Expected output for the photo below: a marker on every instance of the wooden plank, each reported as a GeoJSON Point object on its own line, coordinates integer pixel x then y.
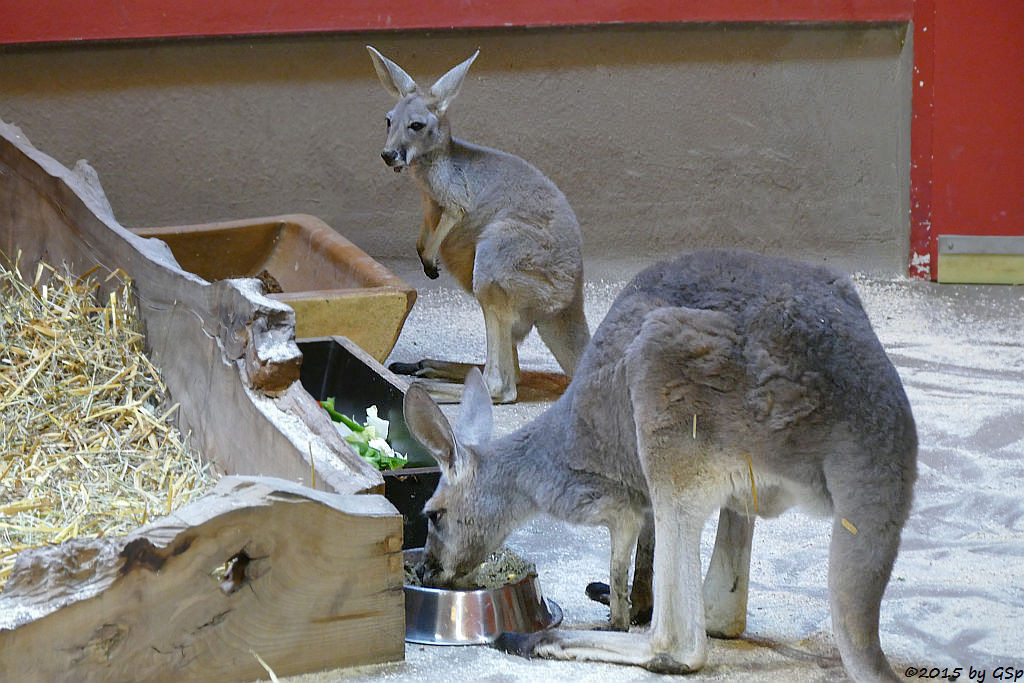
{"type": "Point", "coordinates": [227, 353]}
{"type": "Point", "coordinates": [992, 269]}
{"type": "Point", "coordinates": [307, 580]}
{"type": "Point", "coordinates": [57, 20]}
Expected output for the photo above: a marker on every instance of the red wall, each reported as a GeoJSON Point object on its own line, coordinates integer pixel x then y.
{"type": "Point", "coordinates": [31, 21]}
{"type": "Point", "coordinates": [968, 130]}
{"type": "Point", "coordinates": [967, 174]}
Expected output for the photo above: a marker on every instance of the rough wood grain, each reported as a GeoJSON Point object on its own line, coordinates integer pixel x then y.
{"type": "Point", "coordinates": [316, 582]}
{"type": "Point", "coordinates": [227, 353]}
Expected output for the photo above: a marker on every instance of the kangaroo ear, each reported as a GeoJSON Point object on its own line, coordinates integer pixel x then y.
{"type": "Point", "coordinates": [392, 77]}
{"type": "Point", "coordinates": [476, 421]}
{"type": "Point", "coordinates": [429, 426]}
{"type": "Point", "coordinates": [447, 87]}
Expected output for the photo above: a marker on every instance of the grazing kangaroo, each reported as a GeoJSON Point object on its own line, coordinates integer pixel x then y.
{"type": "Point", "coordinates": [718, 380]}
{"type": "Point", "coordinates": [503, 230]}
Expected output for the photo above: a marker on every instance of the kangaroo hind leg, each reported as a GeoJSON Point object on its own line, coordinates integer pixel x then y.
{"type": "Point", "coordinates": [501, 371]}
{"type": "Point", "coordinates": [566, 334]}
{"type": "Point", "coordinates": [681, 362]}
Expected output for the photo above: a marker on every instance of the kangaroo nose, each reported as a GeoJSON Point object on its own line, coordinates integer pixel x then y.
{"type": "Point", "coordinates": [389, 156]}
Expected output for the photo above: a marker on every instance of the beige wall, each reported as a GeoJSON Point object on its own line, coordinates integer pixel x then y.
{"type": "Point", "coordinates": [783, 139]}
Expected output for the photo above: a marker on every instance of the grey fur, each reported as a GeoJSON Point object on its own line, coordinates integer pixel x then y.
{"type": "Point", "coordinates": [781, 367]}
{"type": "Point", "coordinates": [503, 230]}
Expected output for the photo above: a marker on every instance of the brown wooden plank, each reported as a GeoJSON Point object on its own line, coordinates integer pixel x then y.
{"type": "Point", "coordinates": [317, 584]}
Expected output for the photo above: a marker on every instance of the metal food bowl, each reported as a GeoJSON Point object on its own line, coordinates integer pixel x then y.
{"type": "Point", "coordinates": [436, 616]}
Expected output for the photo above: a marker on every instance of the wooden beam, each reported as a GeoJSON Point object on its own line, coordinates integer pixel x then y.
{"type": "Point", "coordinates": [306, 580]}
{"type": "Point", "coordinates": [226, 352]}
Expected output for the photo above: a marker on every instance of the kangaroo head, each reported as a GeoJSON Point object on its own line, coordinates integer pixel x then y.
{"type": "Point", "coordinates": [468, 515]}
{"type": "Point", "coordinates": [417, 127]}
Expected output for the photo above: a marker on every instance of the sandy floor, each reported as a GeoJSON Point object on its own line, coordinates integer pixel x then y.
{"type": "Point", "coordinates": [956, 598]}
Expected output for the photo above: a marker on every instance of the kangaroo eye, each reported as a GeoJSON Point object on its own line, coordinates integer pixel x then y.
{"type": "Point", "coordinates": [416, 125]}
{"type": "Point", "coordinates": [434, 516]}
{"type": "Point", "coordinates": [387, 121]}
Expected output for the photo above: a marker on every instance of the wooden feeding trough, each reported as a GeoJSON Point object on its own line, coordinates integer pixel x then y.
{"type": "Point", "coordinates": [334, 286]}
{"type": "Point", "coordinates": [295, 566]}
{"type": "Point", "coordinates": [334, 367]}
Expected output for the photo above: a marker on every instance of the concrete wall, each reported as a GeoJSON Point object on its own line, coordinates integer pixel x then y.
{"type": "Point", "coordinates": [784, 139]}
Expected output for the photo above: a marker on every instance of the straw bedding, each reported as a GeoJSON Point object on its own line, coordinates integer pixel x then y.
{"type": "Point", "coordinates": [87, 444]}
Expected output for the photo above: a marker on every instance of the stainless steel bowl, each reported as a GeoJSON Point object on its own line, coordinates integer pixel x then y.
{"type": "Point", "coordinates": [434, 616]}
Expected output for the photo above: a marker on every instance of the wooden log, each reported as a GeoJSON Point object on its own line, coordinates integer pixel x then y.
{"type": "Point", "coordinates": [227, 353]}
{"type": "Point", "coordinates": [304, 579]}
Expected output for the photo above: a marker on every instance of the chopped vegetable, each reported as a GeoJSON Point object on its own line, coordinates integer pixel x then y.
{"type": "Point", "coordinates": [328, 405]}
{"type": "Point", "coordinates": [368, 439]}
{"type": "Point", "coordinates": [502, 568]}
{"type": "Point", "coordinates": [377, 423]}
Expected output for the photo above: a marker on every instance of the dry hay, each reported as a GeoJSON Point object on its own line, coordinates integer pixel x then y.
{"type": "Point", "coordinates": [87, 447]}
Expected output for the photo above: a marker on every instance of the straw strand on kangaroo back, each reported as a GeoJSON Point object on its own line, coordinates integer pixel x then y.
{"type": "Point", "coordinates": [504, 231]}
{"type": "Point", "coordinates": [789, 385]}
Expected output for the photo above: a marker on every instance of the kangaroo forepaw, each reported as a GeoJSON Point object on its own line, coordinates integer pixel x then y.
{"type": "Point", "coordinates": [599, 592]}
{"type": "Point", "coordinates": [406, 368]}
{"type": "Point", "coordinates": [519, 644]}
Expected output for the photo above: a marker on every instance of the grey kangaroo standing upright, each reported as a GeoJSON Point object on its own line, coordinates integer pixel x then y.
{"type": "Point", "coordinates": [720, 380]}
{"type": "Point", "coordinates": [503, 230]}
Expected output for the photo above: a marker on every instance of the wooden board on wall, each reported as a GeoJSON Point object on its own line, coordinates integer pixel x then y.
{"type": "Point", "coordinates": [973, 259]}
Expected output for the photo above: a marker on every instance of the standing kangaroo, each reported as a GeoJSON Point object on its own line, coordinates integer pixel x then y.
{"type": "Point", "coordinates": [504, 231]}
{"type": "Point", "coordinates": [718, 380]}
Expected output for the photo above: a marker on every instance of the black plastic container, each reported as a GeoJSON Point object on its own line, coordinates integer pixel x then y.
{"type": "Point", "coordinates": [334, 366]}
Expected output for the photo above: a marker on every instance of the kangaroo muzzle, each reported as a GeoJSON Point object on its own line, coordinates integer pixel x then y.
{"type": "Point", "coordinates": [431, 574]}
{"type": "Point", "coordinates": [394, 159]}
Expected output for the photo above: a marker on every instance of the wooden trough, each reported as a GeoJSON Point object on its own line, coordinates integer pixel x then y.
{"type": "Point", "coordinates": [264, 571]}
{"type": "Point", "coordinates": [330, 283]}
{"type": "Point", "coordinates": [330, 367]}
